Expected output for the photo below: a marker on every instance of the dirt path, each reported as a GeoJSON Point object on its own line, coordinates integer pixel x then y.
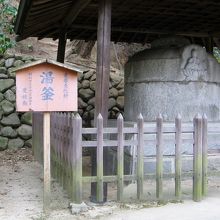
{"type": "Point", "coordinates": [21, 198]}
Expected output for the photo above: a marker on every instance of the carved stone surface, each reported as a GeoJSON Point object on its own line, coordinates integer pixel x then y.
{"type": "Point", "coordinates": [171, 80]}
{"type": "Point", "coordinates": [194, 63]}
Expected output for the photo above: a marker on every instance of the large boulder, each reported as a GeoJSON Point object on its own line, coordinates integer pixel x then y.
{"type": "Point", "coordinates": [6, 84]}
{"type": "Point", "coordinates": [3, 143]}
{"type": "Point", "coordinates": [15, 143]}
{"type": "Point", "coordinates": [25, 131]}
{"type": "Point", "coordinates": [26, 118]}
{"type": "Point", "coordinates": [11, 120]}
{"type": "Point", "coordinates": [7, 107]}
{"type": "Point", "coordinates": [8, 132]}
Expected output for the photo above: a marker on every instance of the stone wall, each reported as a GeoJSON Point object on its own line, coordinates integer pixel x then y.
{"type": "Point", "coordinates": [86, 100]}
{"type": "Point", "coordinates": [16, 129]}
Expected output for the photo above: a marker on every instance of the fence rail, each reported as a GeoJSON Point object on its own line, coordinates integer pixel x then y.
{"type": "Point", "coordinates": [67, 145]}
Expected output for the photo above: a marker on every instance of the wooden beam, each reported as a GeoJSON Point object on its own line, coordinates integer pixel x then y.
{"type": "Point", "coordinates": [147, 31]}
{"type": "Point", "coordinates": [61, 47]}
{"type": "Point", "coordinates": [103, 59]}
{"type": "Point", "coordinates": [74, 11]}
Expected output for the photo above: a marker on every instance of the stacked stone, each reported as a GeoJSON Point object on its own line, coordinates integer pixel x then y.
{"type": "Point", "coordinates": [15, 128]}
{"type": "Point", "coordinates": [86, 93]}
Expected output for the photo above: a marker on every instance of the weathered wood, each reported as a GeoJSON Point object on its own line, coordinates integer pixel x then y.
{"type": "Point", "coordinates": [103, 59]}
{"type": "Point", "coordinates": [77, 159]}
{"type": "Point", "coordinates": [197, 159]}
{"type": "Point", "coordinates": [74, 11]}
{"type": "Point", "coordinates": [178, 147]}
{"type": "Point", "coordinates": [47, 178]}
{"type": "Point", "coordinates": [103, 72]}
{"type": "Point", "coordinates": [89, 179]}
{"type": "Point", "coordinates": [61, 47]}
{"type": "Point", "coordinates": [120, 158]}
{"type": "Point", "coordinates": [99, 158]}
{"type": "Point", "coordinates": [159, 158]}
{"type": "Point", "coordinates": [204, 155]}
{"type": "Point", "coordinates": [140, 156]}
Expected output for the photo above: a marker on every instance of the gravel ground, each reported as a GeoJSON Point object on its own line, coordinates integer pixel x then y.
{"type": "Point", "coordinates": [21, 196]}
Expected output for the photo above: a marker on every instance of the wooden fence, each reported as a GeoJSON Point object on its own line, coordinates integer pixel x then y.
{"type": "Point", "coordinates": [67, 145]}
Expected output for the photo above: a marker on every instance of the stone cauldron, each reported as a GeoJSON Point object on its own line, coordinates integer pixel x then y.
{"type": "Point", "coordinates": [170, 78]}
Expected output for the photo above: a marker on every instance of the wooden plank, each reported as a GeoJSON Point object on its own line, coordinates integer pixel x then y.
{"type": "Point", "coordinates": [77, 159]}
{"type": "Point", "coordinates": [47, 178]}
{"type": "Point", "coordinates": [204, 155]}
{"type": "Point", "coordinates": [74, 11]}
{"type": "Point", "coordinates": [159, 158]}
{"type": "Point", "coordinates": [178, 147]}
{"type": "Point", "coordinates": [140, 160]}
{"type": "Point", "coordinates": [99, 158]}
{"type": "Point", "coordinates": [197, 159]}
{"type": "Point", "coordinates": [120, 158]}
{"type": "Point", "coordinates": [58, 147]}
{"type": "Point", "coordinates": [148, 129]}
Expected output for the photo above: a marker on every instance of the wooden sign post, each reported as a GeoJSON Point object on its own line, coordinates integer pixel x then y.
{"type": "Point", "coordinates": [46, 86]}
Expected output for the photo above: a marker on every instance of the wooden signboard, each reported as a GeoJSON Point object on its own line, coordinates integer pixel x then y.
{"type": "Point", "coordinates": [46, 86]}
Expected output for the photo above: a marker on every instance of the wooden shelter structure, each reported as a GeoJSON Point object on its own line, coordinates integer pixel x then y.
{"type": "Point", "coordinates": [128, 21]}
{"type": "Point", "coordinates": [139, 21]}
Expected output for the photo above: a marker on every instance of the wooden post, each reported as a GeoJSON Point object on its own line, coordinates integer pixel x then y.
{"type": "Point", "coordinates": [46, 135]}
{"type": "Point", "coordinates": [120, 158]}
{"type": "Point", "coordinates": [99, 158]}
{"type": "Point", "coordinates": [197, 159]}
{"type": "Point", "coordinates": [102, 80]}
{"type": "Point", "coordinates": [159, 158]}
{"type": "Point", "coordinates": [178, 146]}
{"type": "Point", "coordinates": [204, 155]}
{"type": "Point", "coordinates": [77, 159]}
{"type": "Point", "coordinates": [103, 59]}
{"type": "Point", "coordinates": [61, 47]}
{"type": "Point", "coordinates": [140, 159]}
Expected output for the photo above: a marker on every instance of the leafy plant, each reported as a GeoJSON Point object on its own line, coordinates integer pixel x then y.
{"type": "Point", "coordinates": [217, 53]}
{"type": "Point", "coordinates": [7, 18]}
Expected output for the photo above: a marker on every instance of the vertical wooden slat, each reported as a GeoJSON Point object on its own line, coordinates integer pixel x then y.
{"type": "Point", "coordinates": [120, 157]}
{"type": "Point", "coordinates": [159, 157]}
{"type": "Point", "coordinates": [99, 158]}
{"type": "Point", "coordinates": [62, 150]}
{"type": "Point", "coordinates": [69, 134]}
{"type": "Point", "coordinates": [197, 159]}
{"type": "Point", "coordinates": [204, 155]}
{"type": "Point", "coordinates": [47, 177]}
{"type": "Point", "coordinates": [65, 137]}
{"type": "Point", "coordinates": [140, 157]}
{"type": "Point", "coordinates": [33, 135]}
{"type": "Point", "coordinates": [59, 147]}
{"type": "Point", "coordinates": [77, 161]}
{"type": "Point", "coordinates": [178, 146]}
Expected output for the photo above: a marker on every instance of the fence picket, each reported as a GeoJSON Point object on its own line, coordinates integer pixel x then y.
{"type": "Point", "coordinates": [120, 157]}
{"type": "Point", "coordinates": [204, 155]}
{"type": "Point", "coordinates": [159, 158]}
{"type": "Point", "coordinates": [140, 157]}
{"type": "Point", "coordinates": [77, 159]}
{"type": "Point", "coordinates": [178, 139]}
{"type": "Point", "coordinates": [197, 159]}
{"type": "Point", "coordinates": [99, 158]}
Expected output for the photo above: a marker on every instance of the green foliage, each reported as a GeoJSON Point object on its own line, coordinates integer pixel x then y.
{"type": "Point", "coordinates": [217, 53]}
{"type": "Point", "coordinates": [7, 18]}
